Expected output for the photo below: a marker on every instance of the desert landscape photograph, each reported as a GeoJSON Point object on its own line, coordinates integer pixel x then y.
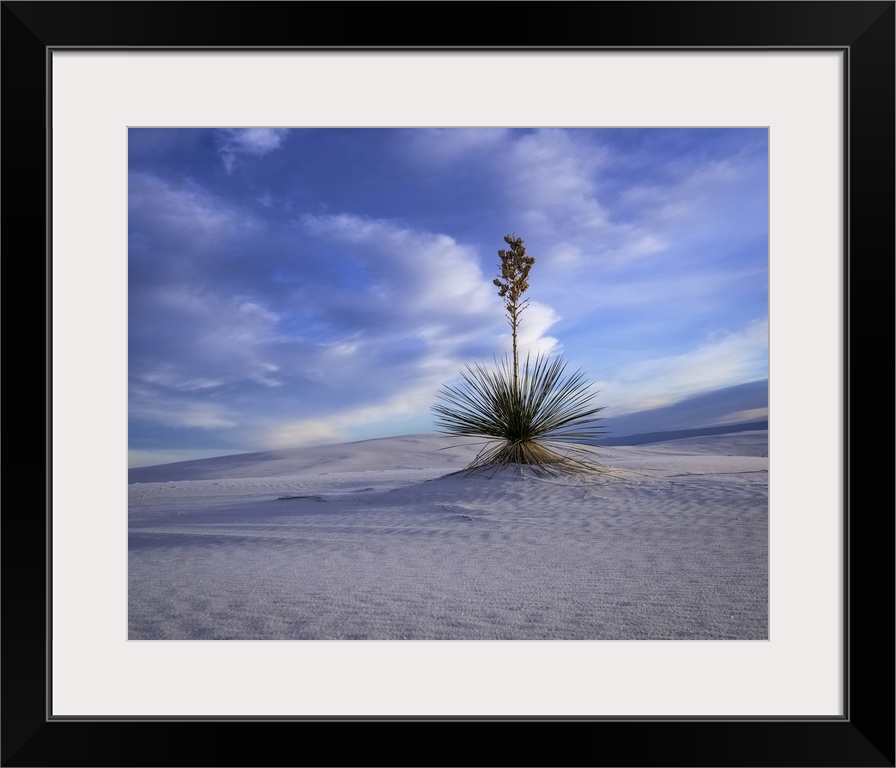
{"type": "Point", "coordinates": [448, 384]}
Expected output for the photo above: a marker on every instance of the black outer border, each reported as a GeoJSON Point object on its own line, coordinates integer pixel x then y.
{"type": "Point", "coordinates": [864, 30]}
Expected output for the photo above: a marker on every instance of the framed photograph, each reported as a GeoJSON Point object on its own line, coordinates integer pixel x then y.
{"type": "Point", "coordinates": [814, 78]}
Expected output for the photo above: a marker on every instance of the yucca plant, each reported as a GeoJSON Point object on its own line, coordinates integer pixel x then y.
{"type": "Point", "coordinates": [538, 416]}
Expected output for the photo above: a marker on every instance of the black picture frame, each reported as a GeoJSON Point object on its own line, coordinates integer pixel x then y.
{"type": "Point", "coordinates": [863, 31]}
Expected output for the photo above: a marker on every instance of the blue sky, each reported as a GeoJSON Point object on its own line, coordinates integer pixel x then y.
{"type": "Point", "coordinates": [303, 286]}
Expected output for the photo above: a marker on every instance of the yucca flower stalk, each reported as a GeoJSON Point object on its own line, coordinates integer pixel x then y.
{"type": "Point", "coordinates": [514, 281]}
{"type": "Point", "coordinates": [538, 416]}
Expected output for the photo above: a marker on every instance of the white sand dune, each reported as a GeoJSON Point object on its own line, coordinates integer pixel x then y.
{"type": "Point", "coordinates": [386, 540]}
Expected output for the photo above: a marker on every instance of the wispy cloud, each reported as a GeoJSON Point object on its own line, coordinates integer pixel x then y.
{"type": "Point", "coordinates": [155, 404]}
{"type": "Point", "coordinates": [203, 337]}
{"type": "Point", "coordinates": [722, 360]}
{"type": "Point", "coordinates": [234, 142]}
{"type": "Point", "coordinates": [422, 307]}
{"type": "Point", "coordinates": [440, 145]}
{"type": "Point", "coordinates": [180, 209]}
{"type": "Point", "coordinates": [426, 284]}
{"type": "Point", "coordinates": [344, 424]}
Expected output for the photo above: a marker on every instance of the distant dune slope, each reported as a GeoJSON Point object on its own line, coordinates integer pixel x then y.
{"type": "Point", "coordinates": [392, 453]}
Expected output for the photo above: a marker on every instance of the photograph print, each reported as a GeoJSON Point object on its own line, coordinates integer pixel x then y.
{"type": "Point", "coordinates": [448, 384]}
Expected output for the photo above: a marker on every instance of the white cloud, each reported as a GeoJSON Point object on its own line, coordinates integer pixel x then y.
{"type": "Point", "coordinates": [425, 278]}
{"type": "Point", "coordinates": [163, 407]}
{"type": "Point", "coordinates": [439, 145]}
{"type": "Point", "coordinates": [341, 425]}
{"type": "Point", "coordinates": [209, 340]}
{"type": "Point", "coordinates": [536, 319]}
{"type": "Point", "coordinates": [258, 141]}
{"type": "Point", "coordinates": [182, 211]}
{"type": "Point", "coordinates": [723, 197]}
{"type": "Point", "coordinates": [554, 181]}
{"type": "Point", "coordinates": [251, 141]}
{"type": "Point", "coordinates": [551, 183]}
{"type": "Point", "coordinates": [425, 293]}
{"type": "Point", "coordinates": [430, 288]}
{"type": "Point", "coordinates": [676, 291]}
{"type": "Point", "coordinates": [723, 360]}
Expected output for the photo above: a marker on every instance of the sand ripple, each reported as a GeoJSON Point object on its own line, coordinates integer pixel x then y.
{"type": "Point", "coordinates": [668, 544]}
